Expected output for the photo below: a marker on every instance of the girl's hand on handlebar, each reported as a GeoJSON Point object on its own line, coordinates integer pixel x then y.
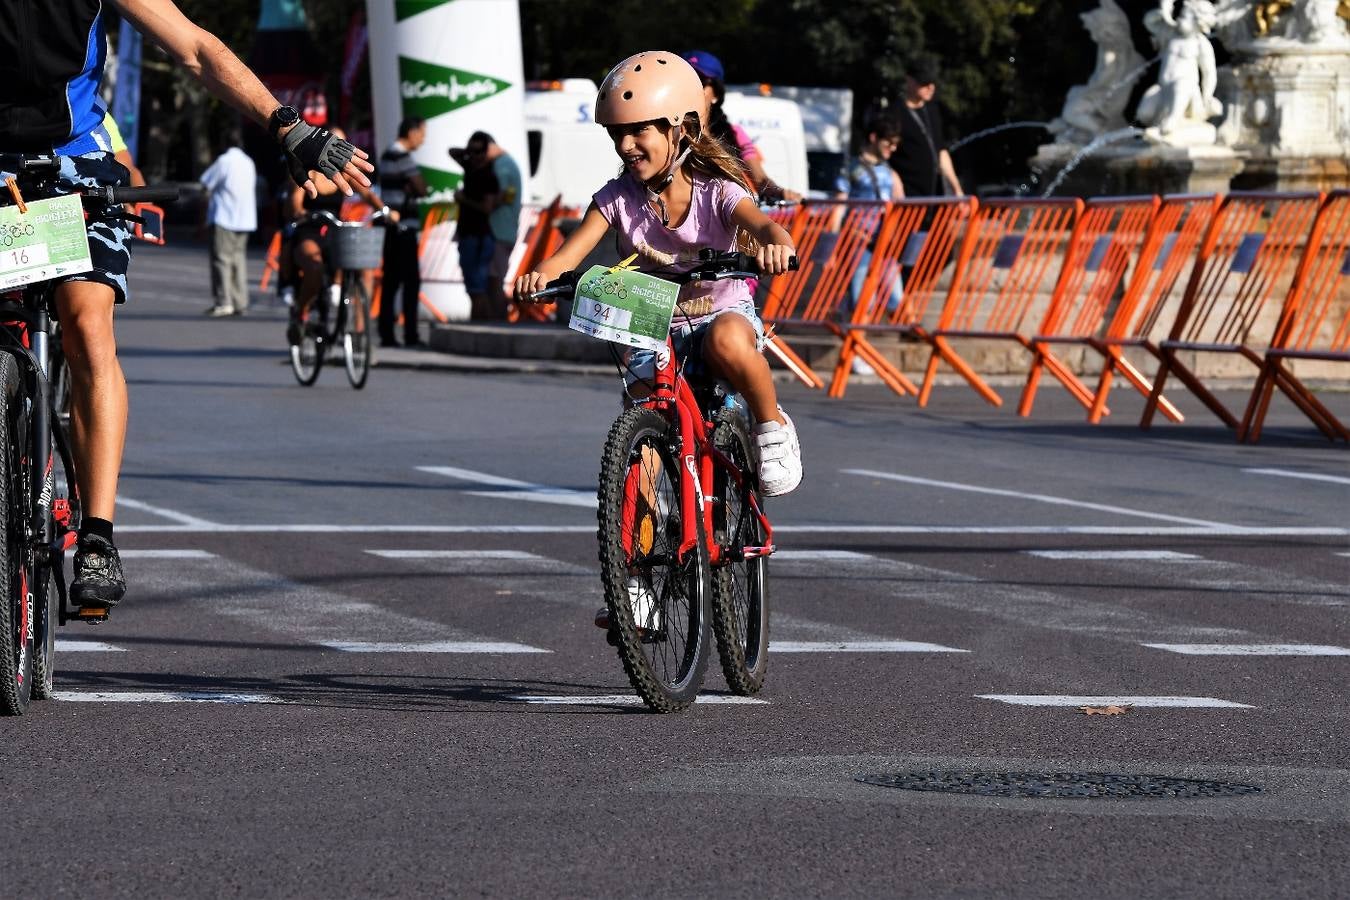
{"type": "Point", "coordinates": [775, 259]}
{"type": "Point", "coordinates": [528, 285]}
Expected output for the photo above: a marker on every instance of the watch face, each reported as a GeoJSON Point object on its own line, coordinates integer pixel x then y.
{"type": "Point", "coordinates": [284, 116]}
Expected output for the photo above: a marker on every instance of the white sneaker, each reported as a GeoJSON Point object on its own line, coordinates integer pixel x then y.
{"type": "Point", "coordinates": [780, 456]}
{"type": "Point", "coordinates": [860, 366]}
{"type": "Point", "coordinates": [642, 601]}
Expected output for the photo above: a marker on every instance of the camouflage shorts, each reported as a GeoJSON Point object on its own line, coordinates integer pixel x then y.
{"type": "Point", "coordinates": [107, 239]}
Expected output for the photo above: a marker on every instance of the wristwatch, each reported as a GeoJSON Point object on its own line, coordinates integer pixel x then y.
{"type": "Point", "coordinates": [282, 117]}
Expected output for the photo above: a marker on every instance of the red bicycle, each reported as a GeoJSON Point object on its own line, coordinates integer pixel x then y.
{"type": "Point", "coordinates": [683, 534]}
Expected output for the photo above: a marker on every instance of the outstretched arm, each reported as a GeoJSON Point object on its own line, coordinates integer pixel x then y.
{"type": "Point", "coordinates": [775, 244]}
{"type": "Point", "coordinates": [221, 72]}
{"type": "Point", "coordinates": [574, 250]}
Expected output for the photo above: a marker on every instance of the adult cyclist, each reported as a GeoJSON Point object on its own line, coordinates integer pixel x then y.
{"type": "Point", "coordinates": [51, 62]}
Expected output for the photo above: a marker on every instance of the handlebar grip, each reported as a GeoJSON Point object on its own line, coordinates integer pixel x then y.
{"type": "Point", "coordinates": [146, 194]}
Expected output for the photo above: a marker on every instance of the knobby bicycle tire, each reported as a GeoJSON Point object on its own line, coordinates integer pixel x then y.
{"type": "Point", "coordinates": [666, 652]}
{"type": "Point", "coordinates": [46, 618]}
{"type": "Point", "coordinates": [16, 610]}
{"type": "Point", "coordinates": [356, 345]}
{"type": "Point", "coordinates": [740, 586]}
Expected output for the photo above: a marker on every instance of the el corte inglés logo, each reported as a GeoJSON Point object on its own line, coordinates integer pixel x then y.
{"type": "Point", "coordinates": [430, 90]}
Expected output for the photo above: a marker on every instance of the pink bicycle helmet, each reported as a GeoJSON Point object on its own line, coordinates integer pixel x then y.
{"type": "Point", "coordinates": [650, 85]}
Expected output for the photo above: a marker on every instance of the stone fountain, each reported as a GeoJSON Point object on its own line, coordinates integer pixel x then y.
{"type": "Point", "coordinates": [1277, 117]}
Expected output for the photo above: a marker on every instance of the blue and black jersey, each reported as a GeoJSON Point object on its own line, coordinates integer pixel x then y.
{"type": "Point", "coordinates": [51, 62]}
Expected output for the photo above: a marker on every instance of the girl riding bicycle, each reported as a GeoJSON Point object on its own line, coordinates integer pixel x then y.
{"type": "Point", "coordinates": [680, 191]}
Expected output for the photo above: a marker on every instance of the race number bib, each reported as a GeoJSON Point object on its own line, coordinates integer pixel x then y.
{"type": "Point", "coordinates": [46, 242]}
{"type": "Point", "coordinates": [625, 307]}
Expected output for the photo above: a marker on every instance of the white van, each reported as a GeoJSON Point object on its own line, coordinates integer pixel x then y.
{"type": "Point", "coordinates": [572, 156]}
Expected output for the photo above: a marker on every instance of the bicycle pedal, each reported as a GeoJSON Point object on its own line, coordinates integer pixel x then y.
{"type": "Point", "coordinates": [92, 614]}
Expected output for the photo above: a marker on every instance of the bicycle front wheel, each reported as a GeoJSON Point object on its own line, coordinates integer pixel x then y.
{"type": "Point", "coordinates": [356, 331]}
{"type": "Point", "coordinates": [740, 586]}
{"type": "Point", "coordinates": [657, 597]}
{"type": "Point", "coordinates": [307, 354]}
{"type": "Point", "coordinates": [16, 608]}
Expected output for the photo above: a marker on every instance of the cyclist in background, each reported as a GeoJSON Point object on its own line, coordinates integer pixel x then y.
{"type": "Point", "coordinates": [54, 52]}
{"type": "Point", "coordinates": [303, 242]}
{"type": "Point", "coordinates": [683, 191]}
{"type": "Point", "coordinates": [711, 73]}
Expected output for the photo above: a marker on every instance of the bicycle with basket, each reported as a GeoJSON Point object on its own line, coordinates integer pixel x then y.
{"type": "Point", "coordinates": [43, 237]}
{"type": "Point", "coordinates": [340, 314]}
{"type": "Point", "coordinates": [684, 541]}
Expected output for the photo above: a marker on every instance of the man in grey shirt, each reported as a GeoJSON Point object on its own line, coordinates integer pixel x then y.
{"type": "Point", "coordinates": [401, 186]}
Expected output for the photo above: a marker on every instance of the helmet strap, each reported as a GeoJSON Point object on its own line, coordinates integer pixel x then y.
{"type": "Point", "coordinates": [663, 181]}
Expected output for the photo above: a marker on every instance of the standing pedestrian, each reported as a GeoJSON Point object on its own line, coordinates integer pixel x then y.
{"type": "Point", "coordinates": [922, 159]}
{"type": "Point", "coordinates": [477, 198]}
{"type": "Point", "coordinates": [868, 177]}
{"type": "Point", "coordinates": [401, 186]}
{"type": "Point", "coordinates": [504, 220]}
{"type": "Point", "coordinates": [232, 215]}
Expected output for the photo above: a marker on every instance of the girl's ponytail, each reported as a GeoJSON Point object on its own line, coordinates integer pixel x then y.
{"type": "Point", "coordinates": [711, 157]}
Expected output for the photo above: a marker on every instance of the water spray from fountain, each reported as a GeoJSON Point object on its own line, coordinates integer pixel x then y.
{"type": "Point", "coordinates": [1007, 126]}
{"type": "Point", "coordinates": [1097, 143]}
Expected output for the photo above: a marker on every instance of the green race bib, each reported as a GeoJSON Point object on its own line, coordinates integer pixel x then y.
{"type": "Point", "coordinates": [624, 306]}
{"type": "Point", "coordinates": [44, 243]}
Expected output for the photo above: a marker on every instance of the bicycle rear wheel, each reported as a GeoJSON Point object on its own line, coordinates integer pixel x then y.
{"type": "Point", "coordinates": [356, 333]}
{"type": "Point", "coordinates": [740, 586]}
{"type": "Point", "coordinates": [16, 601]}
{"type": "Point", "coordinates": [45, 621]}
{"type": "Point", "coordinates": [657, 601]}
{"type": "Point", "coordinates": [307, 355]}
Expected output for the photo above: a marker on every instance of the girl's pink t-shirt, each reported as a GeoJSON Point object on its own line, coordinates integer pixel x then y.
{"type": "Point", "coordinates": [623, 203]}
{"type": "Point", "coordinates": [744, 145]}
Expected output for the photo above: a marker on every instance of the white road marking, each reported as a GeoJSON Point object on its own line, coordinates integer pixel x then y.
{"type": "Point", "coordinates": [1343, 554]}
{"type": "Point", "coordinates": [166, 554]}
{"type": "Point", "coordinates": [1069, 700]}
{"type": "Point", "coordinates": [859, 647]}
{"type": "Point", "coordinates": [432, 647]}
{"type": "Point", "coordinates": [163, 697]}
{"type": "Point", "coordinates": [831, 528]}
{"type": "Point", "coordinates": [623, 699]}
{"type": "Point", "coordinates": [824, 555]}
{"type": "Point", "coordinates": [518, 490]}
{"type": "Point", "coordinates": [1039, 498]}
{"type": "Point", "coordinates": [1156, 555]}
{"type": "Point", "coordinates": [73, 646]}
{"type": "Point", "coordinates": [1309, 476]}
{"type": "Point", "coordinates": [181, 518]}
{"type": "Point", "coordinates": [455, 554]}
{"type": "Point", "coordinates": [1253, 649]}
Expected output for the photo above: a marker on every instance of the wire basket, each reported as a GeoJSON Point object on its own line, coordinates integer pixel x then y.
{"type": "Point", "coordinates": [356, 247]}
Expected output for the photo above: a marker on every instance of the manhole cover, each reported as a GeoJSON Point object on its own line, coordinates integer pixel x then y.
{"type": "Point", "coordinates": [1085, 785]}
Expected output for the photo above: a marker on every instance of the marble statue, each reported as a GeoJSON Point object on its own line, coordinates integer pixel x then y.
{"type": "Point", "coordinates": [1318, 22]}
{"type": "Point", "coordinates": [1097, 107]}
{"type": "Point", "coordinates": [1178, 108]}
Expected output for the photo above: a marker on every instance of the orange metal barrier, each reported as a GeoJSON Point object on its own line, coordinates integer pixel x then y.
{"type": "Point", "coordinates": [542, 240]}
{"type": "Point", "coordinates": [1105, 242]}
{"type": "Point", "coordinates": [830, 237]}
{"type": "Point", "coordinates": [1005, 277]}
{"type": "Point", "coordinates": [1245, 265]}
{"type": "Point", "coordinates": [1315, 323]}
{"type": "Point", "coordinates": [272, 264]}
{"type": "Point", "coordinates": [917, 242]}
{"type": "Point", "coordinates": [1151, 295]}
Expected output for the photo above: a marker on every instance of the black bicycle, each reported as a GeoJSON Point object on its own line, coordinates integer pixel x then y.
{"type": "Point", "coordinates": [340, 315]}
{"type": "Point", "coordinates": [39, 497]}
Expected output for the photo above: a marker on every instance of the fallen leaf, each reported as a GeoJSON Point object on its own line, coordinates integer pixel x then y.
{"type": "Point", "coordinates": [1104, 710]}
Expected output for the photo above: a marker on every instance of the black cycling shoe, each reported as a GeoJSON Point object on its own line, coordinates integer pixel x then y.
{"type": "Point", "coordinates": [99, 583]}
{"type": "Point", "coordinates": [293, 333]}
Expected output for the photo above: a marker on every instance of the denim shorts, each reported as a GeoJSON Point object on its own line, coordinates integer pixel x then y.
{"type": "Point", "coordinates": [475, 261]}
{"type": "Point", "coordinates": [687, 337]}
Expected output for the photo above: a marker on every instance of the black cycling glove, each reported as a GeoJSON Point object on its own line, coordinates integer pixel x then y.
{"type": "Point", "coordinates": [315, 149]}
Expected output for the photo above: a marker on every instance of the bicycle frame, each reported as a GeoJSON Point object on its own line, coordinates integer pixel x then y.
{"type": "Point", "coordinates": [50, 526]}
{"type": "Point", "coordinates": [673, 398]}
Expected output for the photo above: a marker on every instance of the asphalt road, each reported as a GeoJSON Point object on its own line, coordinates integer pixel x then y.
{"type": "Point", "coordinates": [356, 658]}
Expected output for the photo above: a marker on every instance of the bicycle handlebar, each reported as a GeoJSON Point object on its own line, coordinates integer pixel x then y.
{"type": "Point", "coordinates": [713, 266]}
{"type": "Point", "coordinates": [115, 196]}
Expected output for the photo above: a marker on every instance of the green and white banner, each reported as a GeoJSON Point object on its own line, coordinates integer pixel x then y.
{"type": "Point", "coordinates": [457, 64]}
